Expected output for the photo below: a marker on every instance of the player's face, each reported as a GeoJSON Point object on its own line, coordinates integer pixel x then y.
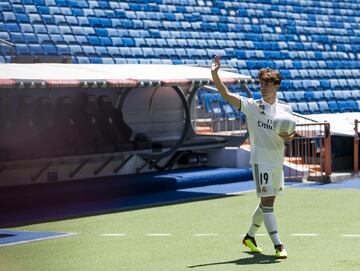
{"type": "Point", "coordinates": [267, 89]}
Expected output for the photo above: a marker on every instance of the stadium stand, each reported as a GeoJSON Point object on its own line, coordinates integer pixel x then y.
{"type": "Point", "coordinates": [317, 51]}
{"type": "Point", "coordinates": [315, 46]}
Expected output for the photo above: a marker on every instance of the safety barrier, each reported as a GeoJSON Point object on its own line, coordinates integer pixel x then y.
{"type": "Point", "coordinates": [308, 156]}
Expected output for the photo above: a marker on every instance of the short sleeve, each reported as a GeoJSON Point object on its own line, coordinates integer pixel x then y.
{"type": "Point", "coordinates": [247, 105]}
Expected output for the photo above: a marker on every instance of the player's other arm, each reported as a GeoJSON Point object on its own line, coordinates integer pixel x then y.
{"type": "Point", "coordinates": [232, 99]}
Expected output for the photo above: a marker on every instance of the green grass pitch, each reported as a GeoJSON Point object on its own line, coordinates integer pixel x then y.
{"type": "Point", "coordinates": [201, 235]}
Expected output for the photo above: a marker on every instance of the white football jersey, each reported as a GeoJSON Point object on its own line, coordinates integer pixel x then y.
{"type": "Point", "coordinates": [267, 147]}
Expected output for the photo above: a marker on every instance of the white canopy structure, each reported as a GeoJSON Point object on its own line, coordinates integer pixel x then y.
{"type": "Point", "coordinates": [112, 74]}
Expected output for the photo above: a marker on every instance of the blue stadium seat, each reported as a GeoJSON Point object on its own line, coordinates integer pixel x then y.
{"type": "Point", "coordinates": [9, 17]}
{"type": "Point", "coordinates": [309, 95]}
{"type": "Point", "coordinates": [289, 96]}
{"type": "Point", "coordinates": [323, 106]}
{"type": "Point", "coordinates": [328, 94]}
{"type": "Point", "coordinates": [30, 38]}
{"type": "Point", "coordinates": [352, 106]}
{"type": "Point", "coordinates": [70, 39]}
{"type": "Point", "coordinates": [83, 21]}
{"type": "Point", "coordinates": [5, 36]}
{"type": "Point", "coordinates": [95, 60]}
{"type": "Point", "coordinates": [303, 108]}
{"type": "Point", "coordinates": [108, 60]}
{"type": "Point", "coordinates": [128, 42]}
{"type": "Point", "coordinates": [22, 18]}
{"type": "Point", "coordinates": [35, 49]}
{"type": "Point", "coordinates": [22, 49]}
{"type": "Point", "coordinates": [280, 95]}
{"type": "Point", "coordinates": [358, 105]}
{"type": "Point", "coordinates": [94, 40]}
{"type": "Point", "coordinates": [299, 95]}
{"type": "Point", "coordinates": [347, 94]}
{"type": "Point", "coordinates": [49, 49]}
{"type": "Point", "coordinates": [18, 37]}
{"type": "Point", "coordinates": [314, 108]}
{"type": "Point", "coordinates": [318, 95]}
{"type": "Point", "coordinates": [338, 95]}
{"type": "Point", "coordinates": [12, 27]}
{"type": "Point", "coordinates": [148, 52]}
{"type": "Point", "coordinates": [63, 49]}
{"type": "Point", "coordinates": [355, 94]}
{"type": "Point", "coordinates": [344, 106]}
{"type": "Point", "coordinates": [82, 60]}
{"type": "Point", "coordinates": [294, 106]}
{"type": "Point", "coordinates": [105, 41]}
{"type": "Point", "coordinates": [334, 107]}
{"type": "Point", "coordinates": [101, 51]}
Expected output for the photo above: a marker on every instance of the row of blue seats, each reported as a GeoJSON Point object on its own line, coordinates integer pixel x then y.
{"type": "Point", "coordinates": [338, 95]}
{"type": "Point", "coordinates": [54, 7]}
{"type": "Point", "coordinates": [214, 104]}
{"type": "Point", "coordinates": [230, 48]}
{"type": "Point", "coordinates": [321, 107]}
{"type": "Point", "coordinates": [186, 6]}
{"type": "Point", "coordinates": [149, 28]}
{"type": "Point", "coordinates": [217, 107]}
{"type": "Point", "coordinates": [309, 74]}
{"type": "Point", "coordinates": [322, 84]}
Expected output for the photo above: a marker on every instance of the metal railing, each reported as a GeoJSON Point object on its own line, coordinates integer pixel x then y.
{"type": "Point", "coordinates": [308, 156]}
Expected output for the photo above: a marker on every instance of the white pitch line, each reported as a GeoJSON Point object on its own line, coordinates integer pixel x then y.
{"type": "Point", "coordinates": [158, 234]}
{"type": "Point", "coordinates": [304, 234]}
{"type": "Point", "coordinates": [351, 235]}
{"type": "Point", "coordinates": [205, 234]}
{"type": "Point", "coordinates": [113, 234]}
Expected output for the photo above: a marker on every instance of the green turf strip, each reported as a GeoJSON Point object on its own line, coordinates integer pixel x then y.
{"type": "Point", "coordinates": [329, 213]}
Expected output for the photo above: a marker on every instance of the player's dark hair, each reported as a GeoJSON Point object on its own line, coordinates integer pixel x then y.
{"type": "Point", "coordinates": [269, 75]}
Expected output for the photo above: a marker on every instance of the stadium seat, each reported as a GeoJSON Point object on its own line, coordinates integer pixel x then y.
{"type": "Point", "coordinates": [314, 108]}
{"type": "Point", "coordinates": [294, 106]}
{"type": "Point", "coordinates": [344, 106]}
{"type": "Point", "coordinates": [334, 107]}
{"type": "Point", "coordinates": [299, 95]}
{"type": "Point", "coordinates": [352, 106]}
{"type": "Point", "coordinates": [289, 96]}
{"type": "Point", "coordinates": [303, 108]}
{"type": "Point", "coordinates": [338, 95]}
{"type": "Point", "coordinates": [324, 107]}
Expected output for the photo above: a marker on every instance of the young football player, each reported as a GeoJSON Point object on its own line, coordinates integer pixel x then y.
{"type": "Point", "coordinates": [267, 150]}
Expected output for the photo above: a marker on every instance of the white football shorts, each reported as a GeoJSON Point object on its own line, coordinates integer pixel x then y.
{"type": "Point", "coordinates": [269, 180]}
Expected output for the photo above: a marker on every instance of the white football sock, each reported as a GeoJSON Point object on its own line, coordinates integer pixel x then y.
{"type": "Point", "coordinates": [257, 220]}
{"type": "Point", "coordinates": [271, 225]}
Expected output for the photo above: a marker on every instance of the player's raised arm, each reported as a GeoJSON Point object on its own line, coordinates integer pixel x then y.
{"type": "Point", "coordinates": [232, 99]}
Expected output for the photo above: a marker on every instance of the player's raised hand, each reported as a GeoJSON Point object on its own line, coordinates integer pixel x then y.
{"type": "Point", "coordinates": [215, 65]}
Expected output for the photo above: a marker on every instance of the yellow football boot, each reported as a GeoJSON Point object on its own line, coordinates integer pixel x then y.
{"type": "Point", "coordinates": [251, 243]}
{"type": "Point", "coordinates": [280, 252]}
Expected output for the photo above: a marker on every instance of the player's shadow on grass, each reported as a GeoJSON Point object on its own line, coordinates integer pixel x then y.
{"type": "Point", "coordinates": [255, 259]}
